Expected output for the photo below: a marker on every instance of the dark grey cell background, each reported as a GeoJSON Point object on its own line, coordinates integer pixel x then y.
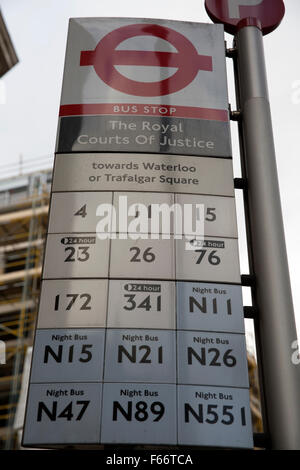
{"type": "Point", "coordinates": [30, 92]}
{"type": "Point", "coordinates": [98, 135]}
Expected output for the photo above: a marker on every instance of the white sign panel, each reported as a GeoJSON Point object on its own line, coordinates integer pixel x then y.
{"type": "Point", "coordinates": [144, 212]}
{"type": "Point", "coordinates": [76, 212]}
{"type": "Point", "coordinates": [75, 255]}
{"type": "Point", "coordinates": [219, 213]}
{"type": "Point", "coordinates": [141, 212]}
{"type": "Point", "coordinates": [73, 303]}
{"type": "Point", "coordinates": [214, 416]}
{"type": "Point", "coordinates": [84, 83]}
{"type": "Point", "coordinates": [143, 172]}
{"type": "Point", "coordinates": [209, 260]}
{"type": "Point", "coordinates": [144, 85]}
{"type": "Point", "coordinates": [142, 259]}
{"type": "Point", "coordinates": [141, 304]}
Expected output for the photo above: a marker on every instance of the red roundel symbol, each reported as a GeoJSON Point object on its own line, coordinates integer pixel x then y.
{"type": "Point", "coordinates": [187, 60]}
{"type": "Point", "coordinates": [266, 13]}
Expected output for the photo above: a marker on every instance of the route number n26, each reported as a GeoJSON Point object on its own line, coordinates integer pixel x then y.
{"type": "Point", "coordinates": [201, 356]}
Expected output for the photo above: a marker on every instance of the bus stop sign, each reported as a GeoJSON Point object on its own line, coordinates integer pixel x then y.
{"type": "Point", "coordinates": [266, 13]}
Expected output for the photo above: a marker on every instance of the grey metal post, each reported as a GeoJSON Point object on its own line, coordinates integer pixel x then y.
{"type": "Point", "coordinates": [272, 294]}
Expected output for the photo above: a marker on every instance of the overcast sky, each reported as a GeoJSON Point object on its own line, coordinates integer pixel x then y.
{"type": "Point", "coordinates": [30, 92]}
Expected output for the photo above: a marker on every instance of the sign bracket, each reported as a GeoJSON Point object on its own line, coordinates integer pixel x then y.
{"type": "Point", "coordinates": [235, 115]}
{"type": "Point", "coordinates": [250, 312]}
{"type": "Point", "coordinates": [262, 440]}
{"type": "Point", "coordinates": [231, 52]}
{"type": "Point", "coordinates": [240, 183]}
{"type": "Point", "coordinates": [248, 280]}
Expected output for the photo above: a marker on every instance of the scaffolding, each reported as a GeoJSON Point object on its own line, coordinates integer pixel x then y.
{"type": "Point", "coordinates": [23, 222]}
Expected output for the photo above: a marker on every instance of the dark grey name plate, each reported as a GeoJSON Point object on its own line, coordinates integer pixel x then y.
{"type": "Point", "coordinates": [144, 134]}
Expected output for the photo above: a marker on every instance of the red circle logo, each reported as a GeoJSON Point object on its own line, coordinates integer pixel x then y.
{"type": "Point", "coordinates": [105, 56]}
{"type": "Point", "coordinates": [268, 13]}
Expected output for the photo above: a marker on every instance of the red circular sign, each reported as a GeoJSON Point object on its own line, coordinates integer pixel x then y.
{"type": "Point", "coordinates": [267, 13]}
{"type": "Point", "coordinates": [186, 60]}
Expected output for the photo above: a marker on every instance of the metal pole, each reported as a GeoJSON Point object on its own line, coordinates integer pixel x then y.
{"type": "Point", "coordinates": [273, 297]}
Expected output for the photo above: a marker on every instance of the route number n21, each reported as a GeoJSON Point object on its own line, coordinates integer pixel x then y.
{"type": "Point", "coordinates": [146, 357]}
